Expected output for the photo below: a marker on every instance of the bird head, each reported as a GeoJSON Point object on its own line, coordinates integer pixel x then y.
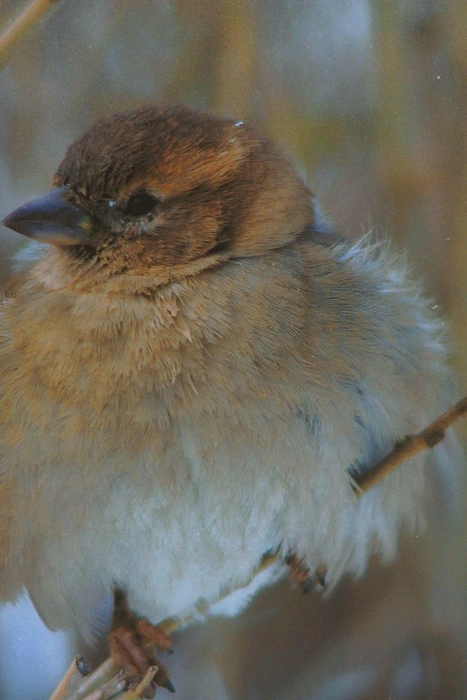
{"type": "Point", "coordinates": [163, 187]}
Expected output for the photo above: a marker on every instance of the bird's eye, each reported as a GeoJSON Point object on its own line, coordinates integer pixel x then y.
{"type": "Point", "coordinates": [140, 204]}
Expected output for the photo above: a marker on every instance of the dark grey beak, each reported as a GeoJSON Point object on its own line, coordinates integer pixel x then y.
{"type": "Point", "coordinates": [51, 219]}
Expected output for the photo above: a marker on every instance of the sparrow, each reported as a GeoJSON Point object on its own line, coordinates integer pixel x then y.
{"type": "Point", "coordinates": [194, 369]}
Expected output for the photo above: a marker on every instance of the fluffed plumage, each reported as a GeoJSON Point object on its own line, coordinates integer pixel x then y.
{"type": "Point", "coordinates": [192, 370]}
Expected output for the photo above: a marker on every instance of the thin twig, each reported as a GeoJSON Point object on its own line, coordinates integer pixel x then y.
{"type": "Point", "coordinates": [78, 669]}
{"type": "Point", "coordinates": [22, 25]}
{"type": "Point", "coordinates": [112, 689]}
{"type": "Point", "coordinates": [104, 674]}
{"type": "Point", "coordinates": [138, 692]}
{"type": "Point", "coordinates": [410, 446]}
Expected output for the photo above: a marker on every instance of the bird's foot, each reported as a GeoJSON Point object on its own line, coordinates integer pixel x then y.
{"type": "Point", "coordinates": [301, 576]}
{"type": "Point", "coordinates": [133, 642]}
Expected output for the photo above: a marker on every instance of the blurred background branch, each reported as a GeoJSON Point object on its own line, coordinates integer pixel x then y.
{"type": "Point", "coordinates": [22, 25]}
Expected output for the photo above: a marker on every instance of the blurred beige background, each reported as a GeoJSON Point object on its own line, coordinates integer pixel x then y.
{"type": "Point", "coordinates": [369, 97]}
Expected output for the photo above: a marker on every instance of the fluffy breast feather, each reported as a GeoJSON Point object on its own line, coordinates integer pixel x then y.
{"type": "Point", "coordinates": [202, 421]}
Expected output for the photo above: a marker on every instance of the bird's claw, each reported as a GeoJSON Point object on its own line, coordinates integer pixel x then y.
{"type": "Point", "coordinates": [133, 649]}
{"type": "Point", "coordinates": [302, 578]}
